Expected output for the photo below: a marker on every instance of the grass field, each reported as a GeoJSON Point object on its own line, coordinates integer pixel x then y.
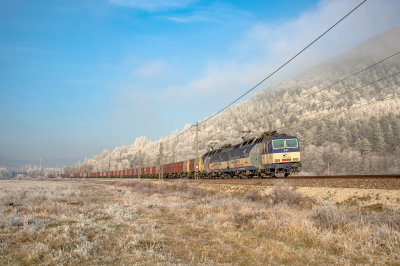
{"type": "Point", "coordinates": [68, 222]}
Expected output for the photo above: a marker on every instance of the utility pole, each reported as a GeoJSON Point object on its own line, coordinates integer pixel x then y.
{"type": "Point", "coordinates": [140, 166]}
{"type": "Point", "coordinates": [120, 162]}
{"type": "Point", "coordinates": [109, 166]}
{"type": "Point", "coordinates": [160, 174]}
{"type": "Point", "coordinates": [197, 152]}
{"type": "Point", "coordinates": [328, 168]}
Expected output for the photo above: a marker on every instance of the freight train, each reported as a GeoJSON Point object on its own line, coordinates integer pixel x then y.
{"type": "Point", "coordinates": [268, 155]}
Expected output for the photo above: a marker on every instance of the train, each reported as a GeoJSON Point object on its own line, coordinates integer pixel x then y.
{"type": "Point", "coordinates": [268, 155]}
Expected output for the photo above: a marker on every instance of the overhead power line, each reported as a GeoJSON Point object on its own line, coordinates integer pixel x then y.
{"type": "Point", "coordinates": [396, 83]}
{"type": "Point", "coordinates": [210, 137]}
{"type": "Point", "coordinates": [345, 111]}
{"type": "Point", "coordinates": [352, 75]}
{"type": "Point", "coordinates": [381, 79]}
{"type": "Point", "coordinates": [287, 62]}
{"type": "Point", "coordinates": [335, 83]}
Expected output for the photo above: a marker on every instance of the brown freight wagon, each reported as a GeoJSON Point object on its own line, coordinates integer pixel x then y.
{"type": "Point", "coordinates": [174, 168]}
{"type": "Point", "coordinates": [191, 165]}
{"type": "Point", "coordinates": [165, 169]}
{"type": "Point", "coordinates": [180, 167]}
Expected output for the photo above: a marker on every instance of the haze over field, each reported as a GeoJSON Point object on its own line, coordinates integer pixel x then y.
{"type": "Point", "coordinates": [103, 75]}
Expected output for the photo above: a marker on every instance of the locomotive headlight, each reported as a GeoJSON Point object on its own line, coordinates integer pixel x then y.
{"type": "Point", "coordinates": [277, 160]}
{"type": "Point", "coordinates": [296, 159]}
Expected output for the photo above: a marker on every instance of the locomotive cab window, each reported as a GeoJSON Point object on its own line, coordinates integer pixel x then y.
{"type": "Point", "coordinates": [244, 154]}
{"type": "Point", "coordinates": [278, 144]}
{"type": "Point", "coordinates": [222, 157]}
{"type": "Point", "coordinates": [292, 143]}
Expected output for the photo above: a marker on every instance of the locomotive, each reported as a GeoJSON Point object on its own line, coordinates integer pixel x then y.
{"type": "Point", "coordinates": [268, 155]}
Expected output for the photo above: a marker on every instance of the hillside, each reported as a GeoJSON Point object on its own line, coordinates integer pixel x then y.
{"type": "Point", "coordinates": [345, 125]}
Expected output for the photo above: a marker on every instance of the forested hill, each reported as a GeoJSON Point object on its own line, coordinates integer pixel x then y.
{"type": "Point", "coordinates": [352, 126]}
{"type": "Point", "coordinates": [339, 124]}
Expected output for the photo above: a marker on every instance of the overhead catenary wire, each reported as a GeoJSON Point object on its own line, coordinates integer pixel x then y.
{"type": "Point", "coordinates": [345, 111]}
{"type": "Point", "coordinates": [340, 81]}
{"type": "Point", "coordinates": [287, 62]}
{"type": "Point", "coordinates": [210, 137]}
{"type": "Point", "coordinates": [381, 79]}
{"type": "Point", "coordinates": [396, 83]}
{"type": "Point", "coordinates": [335, 83]}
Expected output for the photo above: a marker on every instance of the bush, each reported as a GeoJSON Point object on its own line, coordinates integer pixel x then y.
{"type": "Point", "coordinates": [329, 216]}
{"type": "Point", "coordinates": [253, 195]}
{"type": "Point", "coordinates": [180, 186]}
{"type": "Point", "coordinates": [281, 193]}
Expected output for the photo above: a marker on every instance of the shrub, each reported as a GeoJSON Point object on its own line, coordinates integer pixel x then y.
{"type": "Point", "coordinates": [162, 188]}
{"type": "Point", "coordinates": [281, 193]}
{"type": "Point", "coordinates": [329, 216]}
{"type": "Point", "coordinates": [253, 195]}
{"type": "Point", "coordinates": [181, 185]}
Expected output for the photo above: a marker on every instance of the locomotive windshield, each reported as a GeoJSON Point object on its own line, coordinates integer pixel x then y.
{"type": "Point", "coordinates": [278, 144]}
{"type": "Point", "coordinates": [284, 143]}
{"type": "Point", "coordinates": [291, 143]}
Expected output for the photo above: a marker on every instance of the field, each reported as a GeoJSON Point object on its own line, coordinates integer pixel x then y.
{"type": "Point", "coordinates": [128, 222]}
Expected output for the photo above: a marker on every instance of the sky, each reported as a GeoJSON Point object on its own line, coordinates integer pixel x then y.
{"type": "Point", "coordinates": [79, 77]}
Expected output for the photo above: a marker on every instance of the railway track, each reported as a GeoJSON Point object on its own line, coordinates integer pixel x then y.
{"type": "Point", "coordinates": [388, 182]}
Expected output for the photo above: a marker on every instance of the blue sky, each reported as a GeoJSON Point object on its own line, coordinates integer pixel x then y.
{"type": "Point", "coordinates": [78, 77]}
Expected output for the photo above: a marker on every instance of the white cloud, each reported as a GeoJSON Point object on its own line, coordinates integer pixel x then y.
{"type": "Point", "coordinates": [153, 5]}
{"type": "Point", "coordinates": [265, 47]}
{"type": "Point", "coordinates": [275, 42]}
{"type": "Point", "coordinates": [217, 11]}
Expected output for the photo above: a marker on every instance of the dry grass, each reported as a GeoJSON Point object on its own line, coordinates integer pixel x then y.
{"type": "Point", "coordinates": [145, 223]}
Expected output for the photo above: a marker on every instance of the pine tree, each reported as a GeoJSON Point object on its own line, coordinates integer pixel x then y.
{"type": "Point", "coordinates": [307, 139]}
{"type": "Point", "coordinates": [322, 136]}
{"type": "Point", "coordinates": [389, 139]}
{"type": "Point", "coordinates": [396, 133]}
{"type": "Point", "coordinates": [343, 137]}
{"type": "Point", "coordinates": [365, 147]}
{"type": "Point", "coordinates": [355, 134]}
{"type": "Point", "coordinates": [358, 145]}
{"type": "Point", "coordinates": [349, 138]}
{"type": "Point", "coordinates": [378, 144]}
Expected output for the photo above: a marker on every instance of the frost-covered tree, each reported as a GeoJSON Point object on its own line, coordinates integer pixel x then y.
{"type": "Point", "coordinates": [4, 173]}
